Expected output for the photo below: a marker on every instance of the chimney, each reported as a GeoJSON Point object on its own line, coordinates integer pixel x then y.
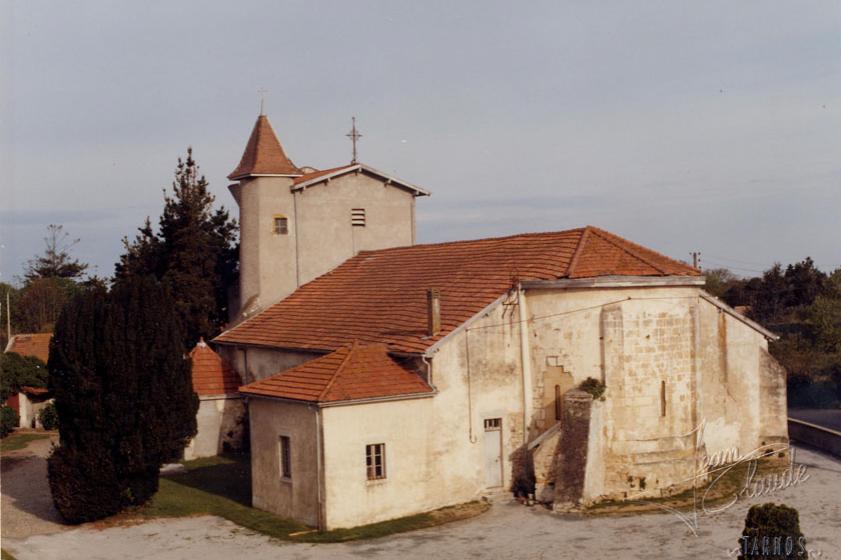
{"type": "Point", "coordinates": [433, 311]}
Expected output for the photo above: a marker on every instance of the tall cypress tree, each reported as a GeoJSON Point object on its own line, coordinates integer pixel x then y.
{"type": "Point", "coordinates": [194, 253]}
{"type": "Point", "coordinates": [124, 398]}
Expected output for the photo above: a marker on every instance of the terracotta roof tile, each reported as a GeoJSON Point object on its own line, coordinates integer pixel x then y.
{"type": "Point", "coordinates": [263, 154]}
{"type": "Point", "coordinates": [350, 373]}
{"type": "Point", "coordinates": [380, 296]}
{"type": "Point", "coordinates": [37, 345]}
{"type": "Point", "coordinates": [211, 374]}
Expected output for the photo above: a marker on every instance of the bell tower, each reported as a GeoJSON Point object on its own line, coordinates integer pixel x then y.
{"type": "Point", "coordinates": [268, 244]}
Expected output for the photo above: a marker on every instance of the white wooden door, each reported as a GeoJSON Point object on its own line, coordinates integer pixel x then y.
{"type": "Point", "coordinates": [493, 452]}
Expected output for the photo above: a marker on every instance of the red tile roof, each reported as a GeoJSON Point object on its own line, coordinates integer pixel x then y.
{"type": "Point", "coordinates": [211, 374]}
{"type": "Point", "coordinates": [350, 373]}
{"type": "Point", "coordinates": [37, 345]}
{"type": "Point", "coordinates": [263, 154]}
{"type": "Point", "coordinates": [380, 296]}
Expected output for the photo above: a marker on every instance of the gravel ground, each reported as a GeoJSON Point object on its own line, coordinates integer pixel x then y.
{"type": "Point", "coordinates": [27, 507]}
{"type": "Point", "coordinates": [508, 530]}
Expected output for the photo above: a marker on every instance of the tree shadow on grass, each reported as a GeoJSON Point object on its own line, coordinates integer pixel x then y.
{"type": "Point", "coordinates": [228, 476]}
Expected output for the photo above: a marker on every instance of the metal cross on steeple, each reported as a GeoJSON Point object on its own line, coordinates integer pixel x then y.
{"type": "Point", "coordinates": [262, 93]}
{"type": "Point", "coordinates": [354, 135]}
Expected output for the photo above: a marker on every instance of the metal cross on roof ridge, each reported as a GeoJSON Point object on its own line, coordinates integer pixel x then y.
{"type": "Point", "coordinates": [354, 136]}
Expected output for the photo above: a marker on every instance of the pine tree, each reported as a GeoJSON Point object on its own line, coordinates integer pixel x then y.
{"type": "Point", "coordinates": [194, 254]}
{"type": "Point", "coordinates": [124, 398]}
{"type": "Point", "coordinates": [56, 261]}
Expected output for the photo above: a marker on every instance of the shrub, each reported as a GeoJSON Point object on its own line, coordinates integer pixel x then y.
{"type": "Point", "coordinates": [19, 371]}
{"type": "Point", "coordinates": [772, 532]}
{"type": "Point", "coordinates": [9, 420]}
{"type": "Point", "coordinates": [594, 387]}
{"type": "Point", "coordinates": [124, 398]}
{"type": "Point", "coordinates": [49, 417]}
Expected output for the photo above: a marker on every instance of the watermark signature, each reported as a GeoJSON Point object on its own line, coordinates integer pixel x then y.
{"type": "Point", "coordinates": [714, 468]}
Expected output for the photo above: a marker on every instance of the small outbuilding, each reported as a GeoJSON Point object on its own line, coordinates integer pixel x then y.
{"type": "Point", "coordinates": [29, 402]}
{"type": "Point", "coordinates": [221, 413]}
{"type": "Point", "coordinates": [345, 429]}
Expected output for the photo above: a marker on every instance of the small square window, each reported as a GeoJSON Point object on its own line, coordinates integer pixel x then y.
{"type": "Point", "coordinates": [285, 457]}
{"type": "Point", "coordinates": [357, 217]}
{"type": "Point", "coordinates": [281, 225]}
{"type": "Point", "coordinates": [375, 461]}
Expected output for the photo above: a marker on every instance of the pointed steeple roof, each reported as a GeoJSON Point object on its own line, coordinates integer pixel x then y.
{"type": "Point", "coordinates": [263, 154]}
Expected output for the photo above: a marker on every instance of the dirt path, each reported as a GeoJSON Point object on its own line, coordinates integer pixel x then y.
{"type": "Point", "coordinates": [26, 505]}
{"type": "Point", "coordinates": [507, 531]}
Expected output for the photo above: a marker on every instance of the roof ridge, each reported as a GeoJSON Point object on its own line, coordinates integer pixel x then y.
{"type": "Point", "coordinates": [339, 369]}
{"type": "Point", "coordinates": [573, 262]}
{"type": "Point", "coordinates": [623, 247]}
{"type": "Point", "coordinates": [467, 241]}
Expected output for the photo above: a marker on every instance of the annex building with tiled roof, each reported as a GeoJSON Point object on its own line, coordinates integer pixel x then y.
{"type": "Point", "coordinates": [221, 419]}
{"type": "Point", "coordinates": [385, 378]}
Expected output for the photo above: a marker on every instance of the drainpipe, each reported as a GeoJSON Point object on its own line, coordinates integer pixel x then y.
{"type": "Point", "coordinates": [525, 360]}
{"type": "Point", "coordinates": [319, 436]}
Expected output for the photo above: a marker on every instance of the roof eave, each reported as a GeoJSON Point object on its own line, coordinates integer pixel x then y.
{"type": "Point", "coordinates": [614, 281]}
{"type": "Point", "coordinates": [362, 167]}
{"type": "Point", "coordinates": [346, 402]}
{"type": "Point", "coordinates": [739, 317]}
{"type": "Point", "coordinates": [240, 176]}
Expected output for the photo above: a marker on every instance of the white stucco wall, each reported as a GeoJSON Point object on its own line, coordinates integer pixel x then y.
{"type": "Point", "coordinates": [412, 482]}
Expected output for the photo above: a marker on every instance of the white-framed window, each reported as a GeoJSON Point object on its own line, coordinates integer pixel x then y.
{"type": "Point", "coordinates": [357, 217]}
{"type": "Point", "coordinates": [285, 457]}
{"type": "Point", "coordinates": [375, 461]}
{"type": "Point", "coordinates": [280, 225]}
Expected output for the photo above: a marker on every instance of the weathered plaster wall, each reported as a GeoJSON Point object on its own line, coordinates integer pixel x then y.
{"type": "Point", "coordinates": [320, 235]}
{"type": "Point", "coordinates": [411, 484]}
{"type": "Point", "coordinates": [326, 237]}
{"type": "Point", "coordinates": [478, 376]}
{"type": "Point", "coordinates": [254, 363]}
{"type": "Point", "coordinates": [298, 497]}
{"type": "Point", "coordinates": [221, 423]}
{"type": "Point", "coordinates": [671, 361]}
{"type": "Point", "coordinates": [267, 269]}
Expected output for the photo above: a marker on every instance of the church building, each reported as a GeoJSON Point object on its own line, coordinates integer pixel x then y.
{"type": "Point", "coordinates": [385, 378]}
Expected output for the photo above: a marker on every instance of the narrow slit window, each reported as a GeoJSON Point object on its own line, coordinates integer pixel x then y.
{"type": "Point", "coordinates": [281, 225]}
{"type": "Point", "coordinates": [375, 461]}
{"type": "Point", "coordinates": [357, 217]}
{"type": "Point", "coordinates": [285, 457]}
{"type": "Point", "coordinates": [662, 398]}
{"type": "Point", "coordinates": [557, 402]}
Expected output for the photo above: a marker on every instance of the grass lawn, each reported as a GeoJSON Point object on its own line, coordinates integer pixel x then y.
{"type": "Point", "coordinates": [14, 442]}
{"type": "Point", "coordinates": [222, 486]}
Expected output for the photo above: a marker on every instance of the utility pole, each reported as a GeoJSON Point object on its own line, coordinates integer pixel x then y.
{"type": "Point", "coordinates": [696, 259]}
{"type": "Point", "coordinates": [8, 317]}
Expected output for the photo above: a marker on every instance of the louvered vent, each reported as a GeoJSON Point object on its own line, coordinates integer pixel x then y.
{"type": "Point", "coordinates": [357, 217]}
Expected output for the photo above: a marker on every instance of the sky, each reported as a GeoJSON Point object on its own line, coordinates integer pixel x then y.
{"type": "Point", "coordinates": [708, 126]}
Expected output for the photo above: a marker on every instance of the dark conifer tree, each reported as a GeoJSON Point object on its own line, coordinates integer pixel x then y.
{"type": "Point", "coordinates": [194, 253]}
{"type": "Point", "coordinates": [124, 398]}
